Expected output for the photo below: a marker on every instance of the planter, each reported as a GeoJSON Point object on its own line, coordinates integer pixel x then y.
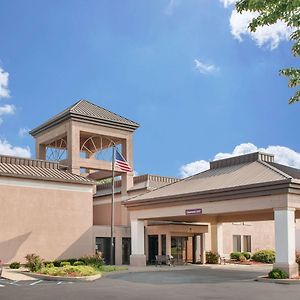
{"type": "Point", "coordinates": [278, 281]}
{"type": "Point", "coordinates": [63, 278]}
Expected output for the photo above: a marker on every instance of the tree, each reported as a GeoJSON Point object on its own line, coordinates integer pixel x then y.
{"type": "Point", "coordinates": [269, 12]}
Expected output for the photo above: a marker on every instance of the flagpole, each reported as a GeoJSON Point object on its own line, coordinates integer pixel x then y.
{"type": "Point", "coordinates": [112, 220]}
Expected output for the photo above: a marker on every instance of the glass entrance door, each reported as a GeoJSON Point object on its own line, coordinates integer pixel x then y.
{"type": "Point", "coordinates": [178, 249]}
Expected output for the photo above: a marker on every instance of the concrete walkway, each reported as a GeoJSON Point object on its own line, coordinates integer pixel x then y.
{"type": "Point", "coordinates": [15, 275]}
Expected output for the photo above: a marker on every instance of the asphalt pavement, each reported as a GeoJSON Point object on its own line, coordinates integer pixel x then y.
{"type": "Point", "coordinates": [200, 283]}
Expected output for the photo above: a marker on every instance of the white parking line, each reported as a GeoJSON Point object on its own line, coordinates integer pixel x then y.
{"type": "Point", "coordinates": [2, 285]}
{"type": "Point", "coordinates": [36, 282]}
{"type": "Point", "coordinates": [14, 282]}
{"type": "Point", "coordinates": [60, 282]}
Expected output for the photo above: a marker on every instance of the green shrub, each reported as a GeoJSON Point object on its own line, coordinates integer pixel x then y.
{"type": "Point", "coordinates": [95, 260]}
{"type": "Point", "coordinates": [34, 262]}
{"type": "Point", "coordinates": [278, 274]}
{"type": "Point", "coordinates": [247, 255]}
{"type": "Point", "coordinates": [70, 271]}
{"type": "Point", "coordinates": [57, 262]}
{"type": "Point", "coordinates": [235, 255]}
{"type": "Point", "coordinates": [49, 265]}
{"type": "Point", "coordinates": [78, 263]}
{"type": "Point", "coordinates": [105, 268]}
{"type": "Point", "coordinates": [212, 257]}
{"type": "Point", "coordinates": [65, 263]}
{"type": "Point", "coordinates": [242, 258]}
{"type": "Point", "coordinates": [264, 256]}
{"type": "Point", "coordinates": [15, 265]}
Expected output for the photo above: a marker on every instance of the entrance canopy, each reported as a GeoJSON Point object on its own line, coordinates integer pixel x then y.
{"type": "Point", "coordinates": [245, 188]}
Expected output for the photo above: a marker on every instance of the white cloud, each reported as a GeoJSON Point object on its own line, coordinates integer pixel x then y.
{"type": "Point", "coordinates": [8, 149]}
{"type": "Point", "coordinates": [171, 6]}
{"type": "Point", "coordinates": [205, 68]}
{"type": "Point", "coordinates": [23, 132]}
{"type": "Point", "coordinates": [227, 3]}
{"type": "Point", "coordinates": [282, 155]}
{"type": "Point", "coordinates": [7, 109]}
{"type": "Point", "coordinates": [270, 35]}
{"type": "Point", "coordinates": [194, 168]}
{"type": "Point", "coordinates": [4, 91]}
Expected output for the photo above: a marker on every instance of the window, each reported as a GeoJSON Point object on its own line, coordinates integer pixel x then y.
{"type": "Point", "coordinates": [236, 243]}
{"type": "Point", "coordinates": [247, 243]}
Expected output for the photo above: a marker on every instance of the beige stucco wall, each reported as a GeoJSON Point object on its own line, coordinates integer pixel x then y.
{"type": "Point", "coordinates": [102, 209]}
{"type": "Point", "coordinates": [53, 220]}
{"type": "Point", "coordinates": [262, 235]}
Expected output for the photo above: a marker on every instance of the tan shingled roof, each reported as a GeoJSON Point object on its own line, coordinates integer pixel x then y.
{"type": "Point", "coordinates": [37, 169]}
{"type": "Point", "coordinates": [86, 111]}
{"type": "Point", "coordinates": [257, 172]}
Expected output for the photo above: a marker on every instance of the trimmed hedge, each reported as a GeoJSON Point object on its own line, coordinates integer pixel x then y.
{"type": "Point", "coordinates": [235, 255]}
{"type": "Point", "coordinates": [212, 257]}
{"type": "Point", "coordinates": [278, 274]}
{"type": "Point", "coordinates": [240, 256]}
{"type": "Point", "coordinates": [78, 263]}
{"type": "Point", "coordinates": [264, 256]}
{"type": "Point", "coordinates": [247, 255]}
{"type": "Point", "coordinates": [15, 265]}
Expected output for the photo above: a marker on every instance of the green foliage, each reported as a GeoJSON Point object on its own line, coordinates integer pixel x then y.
{"type": "Point", "coordinates": [278, 274]}
{"type": "Point", "coordinates": [247, 255]}
{"type": "Point", "coordinates": [240, 256]}
{"type": "Point", "coordinates": [269, 12]}
{"type": "Point", "coordinates": [298, 258]}
{"type": "Point", "coordinates": [95, 260]}
{"type": "Point", "coordinates": [235, 255]}
{"type": "Point", "coordinates": [78, 263]}
{"type": "Point", "coordinates": [212, 257]}
{"type": "Point", "coordinates": [106, 268]}
{"type": "Point", "coordinates": [65, 263]}
{"type": "Point", "coordinates": [70, 271]}
{"type": "Point", "coordinates": [15, 265]}
{"type": "Point", "coordinates": [264, 256]}
{"type": "Point", "coordinates": [33, 262]}
{"type": "Point", "coordinates": [49, 265]}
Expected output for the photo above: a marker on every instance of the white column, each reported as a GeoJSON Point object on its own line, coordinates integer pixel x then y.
{"type": "Point", "coordinates": [217, 238]}
{"type": "Point", "coordinates": [197, 248]}
{"type": "Point", "coordinates": [168, 244]}
{"type": "Point", "coordinates": [137, 257]}
{"type": "Point", "coordinates": [118, 250]}
{"type": "Point", "coordinates": [159, 245]}
{"type": "Point", "coordinates": [203, 248]}
{"type": "Point", "coordinates": [285, 241]}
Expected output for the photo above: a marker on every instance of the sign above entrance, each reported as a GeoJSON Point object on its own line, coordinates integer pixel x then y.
{"type": "Point", "coordinates": [193, 211]}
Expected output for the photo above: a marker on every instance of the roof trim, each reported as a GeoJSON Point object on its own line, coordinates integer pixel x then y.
{"type": "Point", "coordinates": [53, 179]}
{"type": "Point", "coordinates": [257, 189]}
{"type": "Point", "coordinates": [68, 114]}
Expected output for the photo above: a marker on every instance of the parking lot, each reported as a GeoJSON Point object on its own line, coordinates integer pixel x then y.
{"type": "Point", "coordinates": [196, 283]}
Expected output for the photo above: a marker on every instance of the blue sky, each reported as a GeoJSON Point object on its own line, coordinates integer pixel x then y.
{"type": "Point", "coordinates": [185, 70]}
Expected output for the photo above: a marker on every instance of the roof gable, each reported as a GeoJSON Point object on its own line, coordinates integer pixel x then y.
{"type": "Point", "coordinates": [228, 177]}
{"type": "Point", "coordinates": [88, 112]}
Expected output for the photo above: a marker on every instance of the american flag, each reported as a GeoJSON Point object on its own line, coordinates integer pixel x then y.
{"type": "Point", "coordinates": [122, 163]}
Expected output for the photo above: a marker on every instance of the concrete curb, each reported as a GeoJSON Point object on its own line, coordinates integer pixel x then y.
{"type": "Point", "coordinates": [63, 278]}
{"type": "Point", "coordinates": [278, 281]}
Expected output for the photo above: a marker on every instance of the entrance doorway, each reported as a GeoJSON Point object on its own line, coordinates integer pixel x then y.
{"type": "Point", "coordinates": [153, 247]}
{"type": "Point", "coordinates": [103, 246]}
{"type": "Point", "coordinates": [179, 249]}
{"type": "Point", "coordinates": [126, 250]}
